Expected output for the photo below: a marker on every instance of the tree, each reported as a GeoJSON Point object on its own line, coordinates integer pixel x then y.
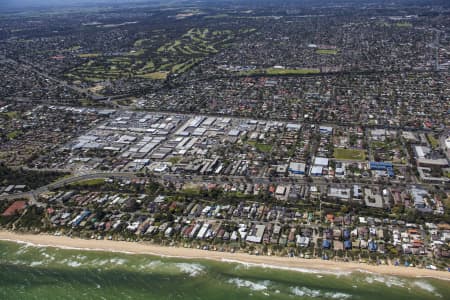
{"type": "Point", "coordinates": [344, 209]}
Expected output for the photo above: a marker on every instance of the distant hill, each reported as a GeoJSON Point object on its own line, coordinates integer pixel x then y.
{"type": "Point", "coordinates": [20, 4]}
{"type": "Point", "coordinates": [61, 3]}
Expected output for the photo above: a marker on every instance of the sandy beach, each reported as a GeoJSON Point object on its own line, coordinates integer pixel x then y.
{"type": "Point", "coordinates": [298, 264]}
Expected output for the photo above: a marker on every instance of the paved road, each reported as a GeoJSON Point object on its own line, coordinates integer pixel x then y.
{"type": "Point", "coordinates": [32, 195]}
{"type": "Point", "coordinates": [181, 178]}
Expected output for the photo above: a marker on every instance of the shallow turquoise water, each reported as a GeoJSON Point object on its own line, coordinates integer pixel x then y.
{"type": "Point", "coordinates": [28, 272]}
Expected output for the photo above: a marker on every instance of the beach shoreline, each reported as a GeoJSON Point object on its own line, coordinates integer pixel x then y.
{"type": "Point", "coordinates": [276, 262]}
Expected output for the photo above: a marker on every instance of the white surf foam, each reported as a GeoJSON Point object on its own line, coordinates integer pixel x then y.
{"type": "Point", "coordinates": [71, 263]}
{"type": "Point", "coordinates": [74, 264]}
{"type": "Point", "coordinates": [100, 262]}
{"type": "Point", "coordinates": [23, 249]}
{"type": "Point", "coordinates": [48, 256]}
{"type": "Point", "coordinates": [191, 269]}
{"type": "Point", "coordinates": [427, 287]}
{"type": "Point", "coordinates": [154, 264]}
{"type": "Point", "coordinates": [118, 261]}
{"type": "Point", "coordinates": [389, 281]}
{"type": "Point", "coordinates": [306, 292]}
{"type": "Point", "coordinates": [295, 269]}
{"type": "Point", "coordinates": [36, 263]}
{"type": "Point", "coordinates": [254, 286]}
{"type": "Point", "coordinates": [337, 295]}
{"type": "Point", "coordinates": [303, 291]}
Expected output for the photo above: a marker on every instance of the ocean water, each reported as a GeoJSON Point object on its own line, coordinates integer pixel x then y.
{"type": "Point", "coordinates": [29, 272]}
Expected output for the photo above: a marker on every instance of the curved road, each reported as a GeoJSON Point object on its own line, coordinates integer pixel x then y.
{"type": "Point", "coordinates": [32, 195]}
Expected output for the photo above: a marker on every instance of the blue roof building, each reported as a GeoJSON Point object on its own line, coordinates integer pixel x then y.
{"type": "Point", "coordinates": [373, 246]}
{"type": "Point", "coordinates": [382, 166]}
{"type": "Point", "coordinates": [326, 244]}
{"type": "Point", "coordinates": [346, 234]}
{"type": "Point", "coordinates": [347, 245]}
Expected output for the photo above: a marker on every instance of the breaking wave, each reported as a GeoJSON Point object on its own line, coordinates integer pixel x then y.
{"type": "Point", "coordinates": [389, 281]}
{"type": "Point", "coordinates": [190, 269]}
{"type": "Point", "coordinates": [295, 269]}
{"type": "Point", "coordinates": [118, 261]}
{"type": "Point", "coordinates": [36, 263]}
{"type": "Point", "coordinates": [48, 256]}
{"type": "Point", "coordinates": [71, 263]}
{"type": "Point", "coordinates": [100, 262]}
{"type": "Point", "coordinates": [306, 292]}
{"type": "Point", "coordinates": [151, 265]}
{"type": "Point", "coordinates": [254, 286]}
{"type": "Point", "coordinates": [74, 264]}
{"type": "Point", "coordinates": [427, 287]}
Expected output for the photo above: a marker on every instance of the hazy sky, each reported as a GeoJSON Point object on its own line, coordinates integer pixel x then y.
{"type": "Point", "coordinates": [21, 3]}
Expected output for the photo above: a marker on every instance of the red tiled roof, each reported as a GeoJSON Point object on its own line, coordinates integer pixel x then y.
{"type": "Point", "coordinates": [14, 208]}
